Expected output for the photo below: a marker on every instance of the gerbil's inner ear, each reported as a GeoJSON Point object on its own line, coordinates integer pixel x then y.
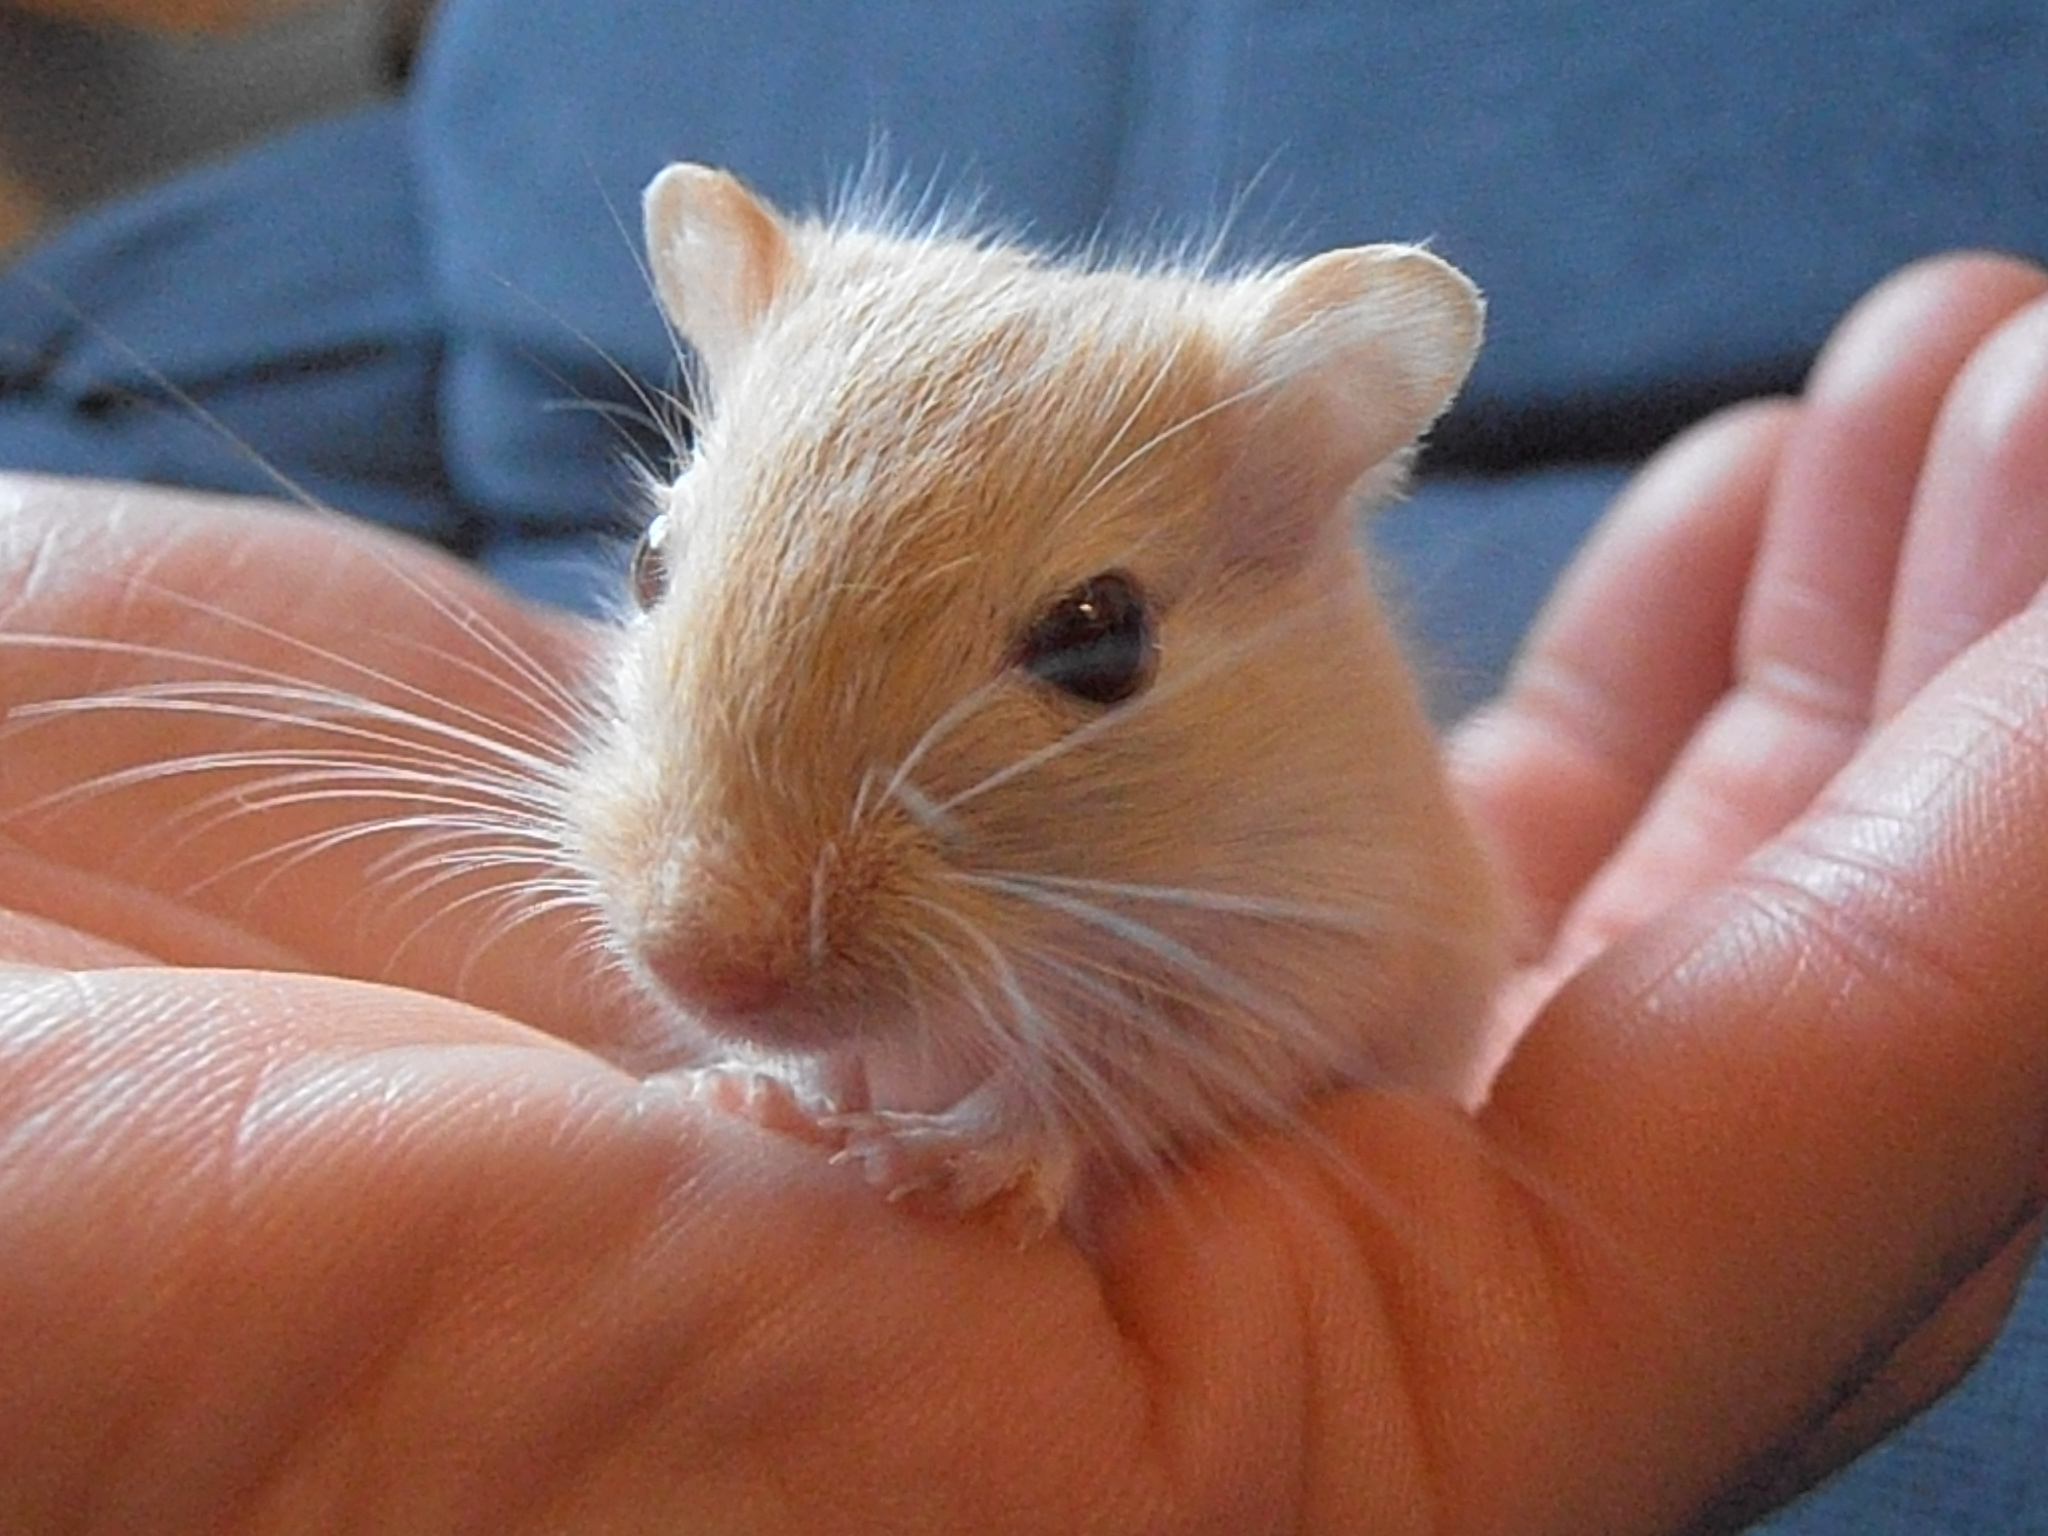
{"type": "Point", "coordinates": [719, 255]}
{"type": "Point", "coordinates": [1351, 357]}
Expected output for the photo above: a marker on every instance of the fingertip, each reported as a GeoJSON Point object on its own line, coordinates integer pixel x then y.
{"type": "Point", "coordinates": [1925, 315]}
{"type": "Point", "coordinates": [2000, 397]}
{"type": "Point", "coordinates": [1976, 553]}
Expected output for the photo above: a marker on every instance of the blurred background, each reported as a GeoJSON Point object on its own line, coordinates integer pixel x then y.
{"type": "Point", "coordinates": [99, 96]}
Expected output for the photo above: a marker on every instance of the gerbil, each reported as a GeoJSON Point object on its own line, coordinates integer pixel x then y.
{"type": "Point", "coordinates": [1012, 774]}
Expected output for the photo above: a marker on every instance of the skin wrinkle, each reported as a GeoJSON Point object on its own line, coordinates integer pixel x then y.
{"type": "Point", "coordinates": [1429, 1429]}
{"type": "Point", "coordinates": [1189, 1418]}
{"type": "Point", "coordinates": [292, 1401]}
{"type": "Point", "coordinates": [103, 1140]}
{"type": "Point", "coordinates": [1716, 955]}
{"type": "Point", "coordinates": [1574, 716]}
{"type": "Point", "coordinates": [1862, 909]}
{"type": "Point", "coordinates": [1810, 677]}
{"type": "Point", "coordinates": [442, 1302]}
{"type": "Point", "coordinates": [1469, 1325]}
{"type": "Point", "coordinates": [1724, 799]}
{"type": "Point", "coordinates": [1805, 691]}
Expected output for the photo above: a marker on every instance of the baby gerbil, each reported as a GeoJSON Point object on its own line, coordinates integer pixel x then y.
{"type": "Point", "coordinates": [1012, 774]}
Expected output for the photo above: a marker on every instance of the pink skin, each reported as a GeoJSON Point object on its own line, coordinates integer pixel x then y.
{"type": "Point", "coordinates": [283, 1250]}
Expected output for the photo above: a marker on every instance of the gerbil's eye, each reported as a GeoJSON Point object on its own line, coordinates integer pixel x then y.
{"type": "Point", "coordinates": [650, 563]}
{"type": "Point", "coordinates": [1095, 642]}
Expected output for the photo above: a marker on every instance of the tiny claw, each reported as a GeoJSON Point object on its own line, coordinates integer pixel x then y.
{"type": "Point", "coordinates": [940, 1166]}
{"type": "Point", "coordinates": [762, 1098]}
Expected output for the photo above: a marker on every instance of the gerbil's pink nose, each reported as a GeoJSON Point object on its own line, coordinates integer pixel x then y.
{"type": "Point", "coordinates": [720, 986]}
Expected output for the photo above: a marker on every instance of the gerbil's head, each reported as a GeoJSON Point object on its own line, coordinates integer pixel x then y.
{"type": "Point", "coordinates": [1005, 656]}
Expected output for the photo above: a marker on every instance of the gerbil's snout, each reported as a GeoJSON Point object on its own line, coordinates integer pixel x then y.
{"type": "Point", "coordinates": [720, 982]}
{"type": "Point", "coordinates": [774, 942]}
{"type": "Point", "coordinates": [742, 968]}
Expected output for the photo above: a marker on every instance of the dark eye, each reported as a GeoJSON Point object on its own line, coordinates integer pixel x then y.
{"type": "Point", "coordinates": [650, 563]}
{"type": "Point", "coordinates": [1095, 642]}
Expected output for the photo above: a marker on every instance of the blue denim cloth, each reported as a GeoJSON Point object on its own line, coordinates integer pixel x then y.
{"type": "Point", "coordinates": [420, 313]}
{"type": "Point", "coordinates": [233, 331]}
{"type": "Point", "coordinates": [1667, 204]}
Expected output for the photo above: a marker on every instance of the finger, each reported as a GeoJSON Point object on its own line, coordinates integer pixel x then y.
{"type": "Point", "coordinates": [1629, 653]}
{"type": "Point", "coordinates": [240, 735]}
{"type": "Point", "coordinates": [1815, 626]}
{"type": "Point", "coordinates": [1815, 618]}
{"type": "Point", "coordinates": [1977, 547]}
{"type": "Point", "coordinates": [1813, 1096]}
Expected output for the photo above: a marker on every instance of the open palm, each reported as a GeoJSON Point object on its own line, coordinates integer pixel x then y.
{"type": "Point", "coordinates": [289, 1240]}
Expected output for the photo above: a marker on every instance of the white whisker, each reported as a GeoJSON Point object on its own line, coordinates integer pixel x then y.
{"type": "Point", "coordinates": [1094, 479]}
{"type": "Point", "coordinates": [924, 812]}
{"type": "Point", "coordinates": [333, 713]}
{"type": "Point", "coordinates": [1275, 1018]}
{"type": "Point", "coordinates": [1066, 1085]}
{"type": "Point", "coordinates": [937, 731]}
{"type": "Point", "coordinates": [816, 936]}
{"type": "Point", "coordinates": [1268, 909]}
{"type": "Point", "coordinates": [1160, 439]}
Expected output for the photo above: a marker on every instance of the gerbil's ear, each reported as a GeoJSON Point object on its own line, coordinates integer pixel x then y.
{"type": "Point", "coordinates": [718, 254]}
{"type": "Point", "coordinates": [1351, 356]}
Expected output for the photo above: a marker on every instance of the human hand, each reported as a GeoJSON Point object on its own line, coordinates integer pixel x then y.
{"type": "Point", "coordinates": [279, 1250]}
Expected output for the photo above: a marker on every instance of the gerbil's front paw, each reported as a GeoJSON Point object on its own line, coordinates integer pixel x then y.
{"type": "Point", "coordinates": [952, 1163]}
{"type": "Point", "coordinates": [773, 1102]}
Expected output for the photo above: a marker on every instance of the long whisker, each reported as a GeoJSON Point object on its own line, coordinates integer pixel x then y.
{"type": "Point", "coordinates": [361, 720]}
{"type": "Point", "coordinates": [1093, 480]}
{"type": "Point", "coordinates": [1031, 1041]}
{"type": "Point", "coordinates": [522, 679]}
{"type": "Point", "coordinates": [1068, 1085]}
{"type": "Point", "coordinates": [937, 731]}
{"type": "Point", "coordinates": [679, 349]}
{"type": "Point", "coordinates": [426, 802]}
{"type": "Point", "coordinates": [1269, 909]}
{"type": "Point", "coordinates": [431, 830]}
{"type": "Point", "coordinates": [184, 399]}
{"type": "Point", "coordinates": [225, 673]}
{"type": "Point", "coordinates": [1269, 1014]}
{"type": "Point", "coordinates": [668, 412]}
